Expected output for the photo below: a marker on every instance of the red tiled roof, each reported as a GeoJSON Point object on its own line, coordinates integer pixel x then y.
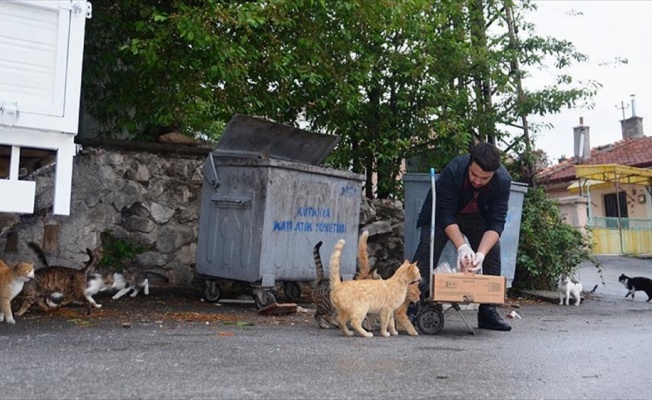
{"type": "Point", "coordinates": [633, 152]}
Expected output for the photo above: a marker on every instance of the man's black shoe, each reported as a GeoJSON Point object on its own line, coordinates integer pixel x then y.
{"type": "Point", "coordinates": [488, 318]}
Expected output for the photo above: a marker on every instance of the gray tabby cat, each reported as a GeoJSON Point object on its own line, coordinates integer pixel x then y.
{"type": "Point", "coordinates": [69, 282]}
{"type": "Point", "coordinates": [321, 293]}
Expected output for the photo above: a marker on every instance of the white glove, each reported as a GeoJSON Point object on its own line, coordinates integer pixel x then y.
{"type": "Point", "coordinates": [465, 258]}
{"type": "Point", "coordinates": [477, 262]}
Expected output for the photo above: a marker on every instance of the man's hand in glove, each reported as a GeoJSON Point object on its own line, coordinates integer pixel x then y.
{"type": "Point", "coordinates": [465, 257]}
{"type": "Point", "coordinates": [477, 262]}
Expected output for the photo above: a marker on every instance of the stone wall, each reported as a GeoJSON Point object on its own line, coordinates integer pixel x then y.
{"type": "Point", "coordinates": [152, 197]}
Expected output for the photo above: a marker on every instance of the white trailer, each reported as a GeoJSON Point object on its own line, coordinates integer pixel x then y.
{"type": "Point", "coordinates": [41, 51]}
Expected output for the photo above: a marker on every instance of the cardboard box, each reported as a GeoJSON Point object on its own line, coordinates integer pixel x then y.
{"type": "Point", "coordinates": [468, 288]}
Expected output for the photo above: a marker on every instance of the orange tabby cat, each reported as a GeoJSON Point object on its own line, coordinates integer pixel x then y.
{"type": "Point", "coordinates": [12, 280]}
{"type": "Point", "coordinates": [353, 299]}
{"type": "Point", "coordinates": [321, 293]}
{"type": "Point", "coordinates": [364, 269]}
{"type": "Point", "coordinates": [400, 315]}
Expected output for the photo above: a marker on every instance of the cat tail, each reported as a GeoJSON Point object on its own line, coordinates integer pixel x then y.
{"type": "Point", "coordinates": [319, 267]}
{"type": "Point", "coordinates": [336, 255]}
{"type": "Point", "coordinates": [93, 260]}
{"type": "Point", "coordinates": [364, 269]}
{"type": "Point", "coordinates": [39, 253]}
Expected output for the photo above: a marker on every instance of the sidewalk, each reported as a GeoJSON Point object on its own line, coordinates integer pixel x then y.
{"type": "Point", "coordinates": [605, 276]}
{"type": "Point", "coordinates": [612, 267]}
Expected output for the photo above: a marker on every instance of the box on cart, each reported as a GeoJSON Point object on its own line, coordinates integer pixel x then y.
{"type": "Point", "coordinates": [468, 288]}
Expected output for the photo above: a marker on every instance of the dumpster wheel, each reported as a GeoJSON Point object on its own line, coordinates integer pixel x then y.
{"type": "Point", "coordinates": [292, 291]}
{"type": "Point", "coordinates": [212, 293]}
{"type": "Point", "coordinates": [430, 319]}
{"type": "Point", "coordinates": [263, 298]}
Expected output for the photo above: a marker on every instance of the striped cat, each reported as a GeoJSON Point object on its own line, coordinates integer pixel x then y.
{"type": "Point", "coordinates": [95, 283]}
{"type": "Point", "coordinates": [69, 282]}
{"type": "Point", "coordinates": [321, 293]}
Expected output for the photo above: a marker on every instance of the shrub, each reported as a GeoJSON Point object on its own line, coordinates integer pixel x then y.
{"type": "Point", "coordinates": [117, 252]}
{"type": "Point", "coordinates": [548, 246]}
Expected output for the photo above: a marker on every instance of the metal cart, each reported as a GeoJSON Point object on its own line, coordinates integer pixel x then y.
{"type": "Point", "coordinates": [430, 314]}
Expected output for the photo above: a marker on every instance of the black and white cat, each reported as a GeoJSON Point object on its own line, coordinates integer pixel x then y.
{"type": "Point", "coordinates": [569, 287]}
{"type": "Point", "coordinates": [636, 283]}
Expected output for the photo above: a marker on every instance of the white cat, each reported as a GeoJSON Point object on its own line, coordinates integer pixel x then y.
{"type": "Point", "coordinates": [569, 287]}
{"type": "Point", "coordinates": [124, 286]}
{"type": "Point", "coordinates": [133, 280]}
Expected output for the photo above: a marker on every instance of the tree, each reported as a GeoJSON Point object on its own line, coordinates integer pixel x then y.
{"type": "Point", "coordinates": [395, 79]}
{"type": "Point", "coordinates": [154, 66]}
{"type": "Point", "coordinates": [398, 87]}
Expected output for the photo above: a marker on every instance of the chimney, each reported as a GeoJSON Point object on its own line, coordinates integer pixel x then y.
{"type": "Point", "coordinates": [581, 140]}
{"type": "Point", "coordinates": [632, 127]}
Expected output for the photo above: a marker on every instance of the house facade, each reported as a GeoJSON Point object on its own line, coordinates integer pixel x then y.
{"type": "Point", "coordinates": [614, 198]}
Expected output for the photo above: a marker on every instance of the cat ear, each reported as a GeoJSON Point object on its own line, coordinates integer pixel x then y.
{"type": "Point", "coordinates": [408, 262]}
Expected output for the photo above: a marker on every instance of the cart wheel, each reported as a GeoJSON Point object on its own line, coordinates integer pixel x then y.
{"type": "Point", "coordinates": [267, 299]}
{"type": "Point", "coordinates": [292, 291]}
{"type": "Point", "coordinates": [212, 293]}
{"type": "Point", "coordinates": [430, 320]}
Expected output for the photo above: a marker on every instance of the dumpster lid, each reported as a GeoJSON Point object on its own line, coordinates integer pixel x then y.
{"type": "Point", "coordinates": [246, 136]}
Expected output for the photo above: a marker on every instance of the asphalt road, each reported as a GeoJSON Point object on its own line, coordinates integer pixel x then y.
{"type": "Point", "coordinates": [173, 346]}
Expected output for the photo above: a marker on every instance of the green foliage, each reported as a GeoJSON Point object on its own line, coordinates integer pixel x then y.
{"type": "Point", "coordinates": [395, 79]}
{"type": "Point", "coordinates": [547, 245]}
{"type": "Point", "coordinates": [117, 252]}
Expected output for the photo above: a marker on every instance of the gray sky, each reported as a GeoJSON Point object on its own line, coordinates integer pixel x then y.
{"type": "Point", "coordinates": [604, 31]}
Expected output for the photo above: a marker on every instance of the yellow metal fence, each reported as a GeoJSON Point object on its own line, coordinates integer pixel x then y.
{"type": "Point", "coordinates": [621, 236]}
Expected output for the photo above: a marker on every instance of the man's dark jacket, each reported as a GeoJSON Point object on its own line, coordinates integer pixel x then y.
{"type": "Point", "coordinates": [453, 195]}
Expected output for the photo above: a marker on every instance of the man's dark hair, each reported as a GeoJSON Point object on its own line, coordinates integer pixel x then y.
{"type": "Point", "coordinates": [487, 156]}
